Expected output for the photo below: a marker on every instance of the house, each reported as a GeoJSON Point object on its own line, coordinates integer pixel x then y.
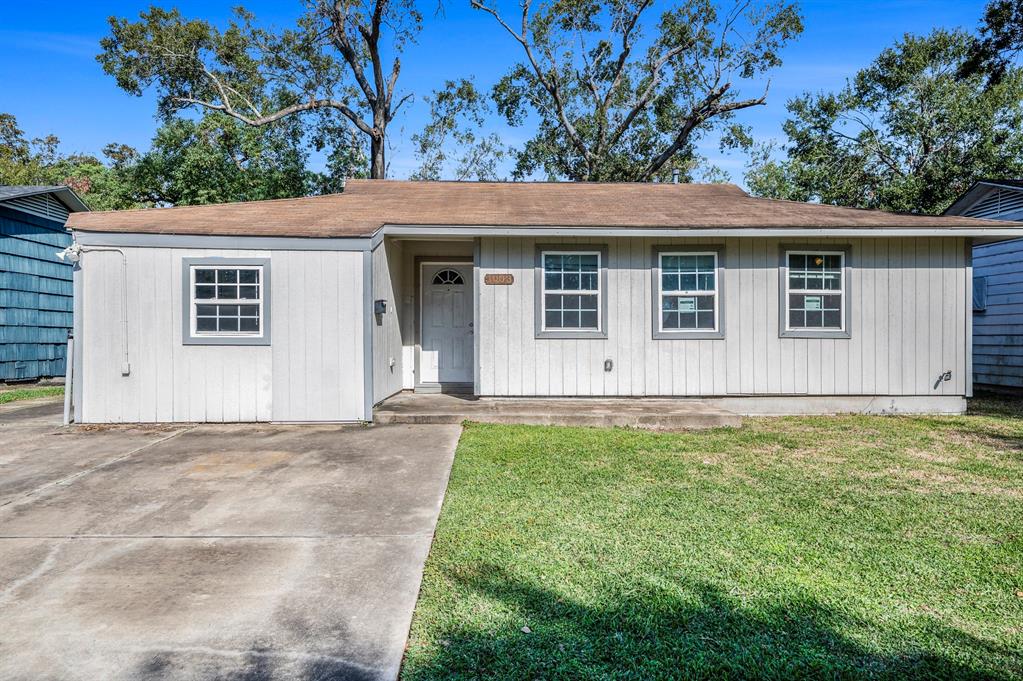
{"type": "Point", "coordinates": [997, 286]}
{"type": "Point", "coordinates": [35, 287]}
{"type": "Point", "coordinates": [316, 309]}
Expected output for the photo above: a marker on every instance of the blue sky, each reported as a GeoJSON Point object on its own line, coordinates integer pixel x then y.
{"type": "Point", "coordinates": [52, 83]}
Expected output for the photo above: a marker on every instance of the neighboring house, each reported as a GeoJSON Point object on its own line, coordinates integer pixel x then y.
{"type": "Point", "coordinates": [35, 287]}
{"type": "Point", "coordinates": [997, 286]}
{"type": "Point", "coordinates": [315, 309]}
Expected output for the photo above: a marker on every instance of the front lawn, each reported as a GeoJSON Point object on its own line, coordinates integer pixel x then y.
{"type": "Point", "coordinates": [845, 547]}
{"type": "Point", "coordinates": [16, 394]}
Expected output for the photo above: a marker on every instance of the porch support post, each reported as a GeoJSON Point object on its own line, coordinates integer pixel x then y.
{"type": "Point", "coordinates": [477, 291]}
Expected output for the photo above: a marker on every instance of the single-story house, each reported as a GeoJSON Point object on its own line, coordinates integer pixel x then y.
{"type": "Point", "coordinates": [997, 286]}
{"type": "Point", "coordinates": [35, 286]}
{"type": "Point", "coordinates": [316, 309]}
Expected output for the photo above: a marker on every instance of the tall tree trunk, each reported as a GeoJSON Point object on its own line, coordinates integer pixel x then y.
{"type": "Point", "coordinates": [378, 165]}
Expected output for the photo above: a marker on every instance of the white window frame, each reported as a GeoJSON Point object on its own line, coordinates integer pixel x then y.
{"type": "Point", "coordinates": [844, 314]}
{"type": "Point", "coordinates": [192, 335]}
{"type": "Point", "coordinates": [598, 331]}
{"type": "Point", "coordinates": [697, 293]}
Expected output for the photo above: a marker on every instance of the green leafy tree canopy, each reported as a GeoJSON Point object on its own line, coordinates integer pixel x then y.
{"type": "Point", "coordinates": [38, 161]}
{"type": "Point", "coordinates": [451, 144]}
{"type": "Point", "coordinates": [908, 133]}
{"type": "Point", "coordinates": [331, 65]}
{"type": "Point", "coordinates": [1001, 41]}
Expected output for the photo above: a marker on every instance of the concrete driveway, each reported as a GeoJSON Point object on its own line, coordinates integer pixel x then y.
{"type": "Point", "coordinates": [238, 552]}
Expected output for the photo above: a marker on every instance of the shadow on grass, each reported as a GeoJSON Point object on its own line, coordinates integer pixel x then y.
{"type": "Point", "coordinates": [996, 404]}
{"type": "Point", "coordinates": [659, 633]}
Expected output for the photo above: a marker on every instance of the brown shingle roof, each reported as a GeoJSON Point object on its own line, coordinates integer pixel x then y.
{"type": "Point", "coordinates": [367, 205]}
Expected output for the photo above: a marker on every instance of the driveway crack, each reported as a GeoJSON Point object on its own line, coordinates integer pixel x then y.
{"type": "Point", "coordinates": [67, 480]}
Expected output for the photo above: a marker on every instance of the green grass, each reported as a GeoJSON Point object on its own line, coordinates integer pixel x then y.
{"type": "Point", "coordinates": [839, 547]}
{"type": "Point", "coordinates": [29, 393]}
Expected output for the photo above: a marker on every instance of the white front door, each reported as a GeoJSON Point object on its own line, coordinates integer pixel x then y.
{"type": "Point", "coordinates": [446, 343]}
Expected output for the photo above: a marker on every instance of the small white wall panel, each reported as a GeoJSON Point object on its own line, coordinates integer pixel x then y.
{"type": "Point", "coordinates": [318, 371]}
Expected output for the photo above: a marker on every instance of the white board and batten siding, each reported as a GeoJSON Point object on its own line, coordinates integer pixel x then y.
{"type": "Point", "coordinates": [313, 371]}
{"type": "Point", "coordinates": [388, 278]}
{"type": "Point", "coordinates": [908, 326]}
{"type": "Point", "coordinates": [318, 340]}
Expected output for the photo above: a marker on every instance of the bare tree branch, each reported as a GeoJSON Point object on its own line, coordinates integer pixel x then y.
{"type": "Point", "coordinates": [710, 107]}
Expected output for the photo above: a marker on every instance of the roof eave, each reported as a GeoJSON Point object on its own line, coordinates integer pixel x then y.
{"type": "Point", "coordinates": [65, 195]}
{"type": "Point", "coordinates": [1003, 231]}
{"type": "Point", "coordinates": [975, 193]}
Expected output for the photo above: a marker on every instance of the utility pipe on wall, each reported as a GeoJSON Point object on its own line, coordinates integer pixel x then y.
{"type": "Point", "coordinates": [69, 377]}
{"type": "Point", "coordinates": [73, 254]}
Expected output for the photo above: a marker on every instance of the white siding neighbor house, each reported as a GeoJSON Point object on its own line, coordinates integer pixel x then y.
{"type": "Point", "coordinates": [997, 286]}
{"type": "Point", "coordinates": [317, 309]}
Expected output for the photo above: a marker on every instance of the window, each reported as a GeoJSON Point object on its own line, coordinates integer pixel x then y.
{"type": "Point", "coordinates": [448, 278]}
{"type": "Point", "coordinates": [226, 301]}
{"type": "Point", "coordinates": [570, 293]}
{"type": "Point", "coordinates": [688, 291]}
{"type": "Point", "coordinates": [815, 300]}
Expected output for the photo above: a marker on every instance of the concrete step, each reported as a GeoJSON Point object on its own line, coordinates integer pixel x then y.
{"type": "Point", "coordinates": [652, 414]}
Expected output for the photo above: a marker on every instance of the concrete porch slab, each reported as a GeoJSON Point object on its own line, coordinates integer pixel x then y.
{"type": "Point", "coordinates": [652, 414]}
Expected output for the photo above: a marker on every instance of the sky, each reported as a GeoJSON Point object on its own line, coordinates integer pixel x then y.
{"type": "Point", "coordinates": [51, 82]}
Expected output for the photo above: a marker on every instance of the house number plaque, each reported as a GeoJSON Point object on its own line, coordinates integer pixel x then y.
{"type": "Point", "coordinates": [498, 279]}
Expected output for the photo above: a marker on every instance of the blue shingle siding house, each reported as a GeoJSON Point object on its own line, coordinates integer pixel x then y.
{"type": "Point", "coordinates": [35, 285]}
{"type": "Point", "coordinates": [997, 286]}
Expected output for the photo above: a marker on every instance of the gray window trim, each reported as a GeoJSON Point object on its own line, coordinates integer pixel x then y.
{"type": "Point", "coordinates": [187, 338]}
{"type": "Point", "coordinates": [783, 302]}
{"type": "Point", "coordinates": [600, 333]}
{"type": "Point", "coordinates": [655, 291]}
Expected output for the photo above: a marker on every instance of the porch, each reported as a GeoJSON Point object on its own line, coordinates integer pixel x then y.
{"type": "Point", "coordinates": [651, 414]}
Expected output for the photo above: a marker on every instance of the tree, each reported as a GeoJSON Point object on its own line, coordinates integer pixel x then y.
{"type": "Point", "coordinates": [457, 112]}
{"type": "Point", "coordinates": [330, 63]}
{"type": "Point", "coordinates": [614, 105]}
{"type": "Point", "coordinates": [39, 162]}
{"type": "Point", "coordinates": [216, 159]}
{"type": "Point", "coordinates": [907, 134]}
{"type": "Point", "coordinates": [1001, 41]}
